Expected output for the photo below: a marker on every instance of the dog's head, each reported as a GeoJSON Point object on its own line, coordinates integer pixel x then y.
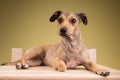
{"type": "Point", "coordinates": [68, 22]}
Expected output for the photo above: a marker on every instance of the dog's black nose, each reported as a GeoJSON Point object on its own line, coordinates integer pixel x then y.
{"type": "Point", "coordinates": [63, 30]}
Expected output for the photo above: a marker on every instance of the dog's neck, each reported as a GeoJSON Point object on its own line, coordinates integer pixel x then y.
{"type": "Point", "coordinates": [74, 43]}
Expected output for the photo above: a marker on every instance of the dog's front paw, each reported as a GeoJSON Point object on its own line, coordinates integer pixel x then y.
{"type": "Point", "coordinates": [97, 69]}
{"type": "Point", "coordinates": [22, 66]}
{"type": "Point", "coordinates": [102, 72]}
{"type": "Point", "coordinates": [59, 65]}
{"type": "Point", "coordinates": [106, 73]}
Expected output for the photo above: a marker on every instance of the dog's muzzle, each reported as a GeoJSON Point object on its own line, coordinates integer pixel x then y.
{"type": "Point", "coordinates": [63, 31]}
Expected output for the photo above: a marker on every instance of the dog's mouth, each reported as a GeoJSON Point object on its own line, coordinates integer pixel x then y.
{"type": "Point", "coordinates": [63, 35]}
{"type": "Point", "coordinates": [68, 37]}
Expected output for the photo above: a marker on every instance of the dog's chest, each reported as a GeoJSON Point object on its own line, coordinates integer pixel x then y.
{"type": "Point", "coordinates": [73, 57]}
{"type": "Point", "coordinates": [73, 53]}
{"type": "Point", "coordinates": [72, 61]}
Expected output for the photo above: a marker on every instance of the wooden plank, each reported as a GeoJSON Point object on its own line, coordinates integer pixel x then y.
{"type": "Point", "coordinates": [48, 73]}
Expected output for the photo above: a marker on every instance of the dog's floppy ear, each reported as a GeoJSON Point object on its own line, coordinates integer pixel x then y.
{"type": "Point", "coordinates": [55, 16]}
{"type": "Point", "coordinates": [83, 18]}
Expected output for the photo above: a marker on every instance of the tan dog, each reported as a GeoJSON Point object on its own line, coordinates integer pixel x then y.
{"type": "Point", "coordinates": [70, 53]}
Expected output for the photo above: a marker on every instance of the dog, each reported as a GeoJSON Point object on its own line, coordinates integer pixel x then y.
{"type": "Point", "coordinates": [68, 54]}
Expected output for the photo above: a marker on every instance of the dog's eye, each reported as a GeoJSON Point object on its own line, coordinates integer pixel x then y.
{"type": "Point", "coordinates": [59, 20]}
{"type": "Point", "coordinates": [73, 21]}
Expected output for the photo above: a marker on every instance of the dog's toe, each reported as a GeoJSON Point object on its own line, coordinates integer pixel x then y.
{"type": "Point", "coordinates": [105, 73]}
{"type": "Point", "coordinates": [18, 66]}
{"type": "Point", "coordinates": [25, 66]}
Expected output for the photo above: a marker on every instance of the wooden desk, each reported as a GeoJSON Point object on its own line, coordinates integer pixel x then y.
{"type": "Point", "coordinates": [47, 73]}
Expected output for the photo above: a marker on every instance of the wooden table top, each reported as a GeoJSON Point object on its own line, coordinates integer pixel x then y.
{"type": "Point", "coordinates": [47, 73]}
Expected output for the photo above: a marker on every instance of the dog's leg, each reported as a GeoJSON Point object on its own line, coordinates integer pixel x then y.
{"type": "Point", "coordinates": [97, 69]}
{"type": "Point", "coordinates": [59, 65]}
{"type": "Point", "coordinates": [33, 63]}
{"type": "Point", "coordinates": [90, 65]}
{"type": "Point", "coordinates": [33, 57]}
{"type": "Point", "coordinates": [24, 64]}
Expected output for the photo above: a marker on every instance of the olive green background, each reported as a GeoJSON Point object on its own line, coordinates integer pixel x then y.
{"type": "Point", "coordinates": [25, 23]}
